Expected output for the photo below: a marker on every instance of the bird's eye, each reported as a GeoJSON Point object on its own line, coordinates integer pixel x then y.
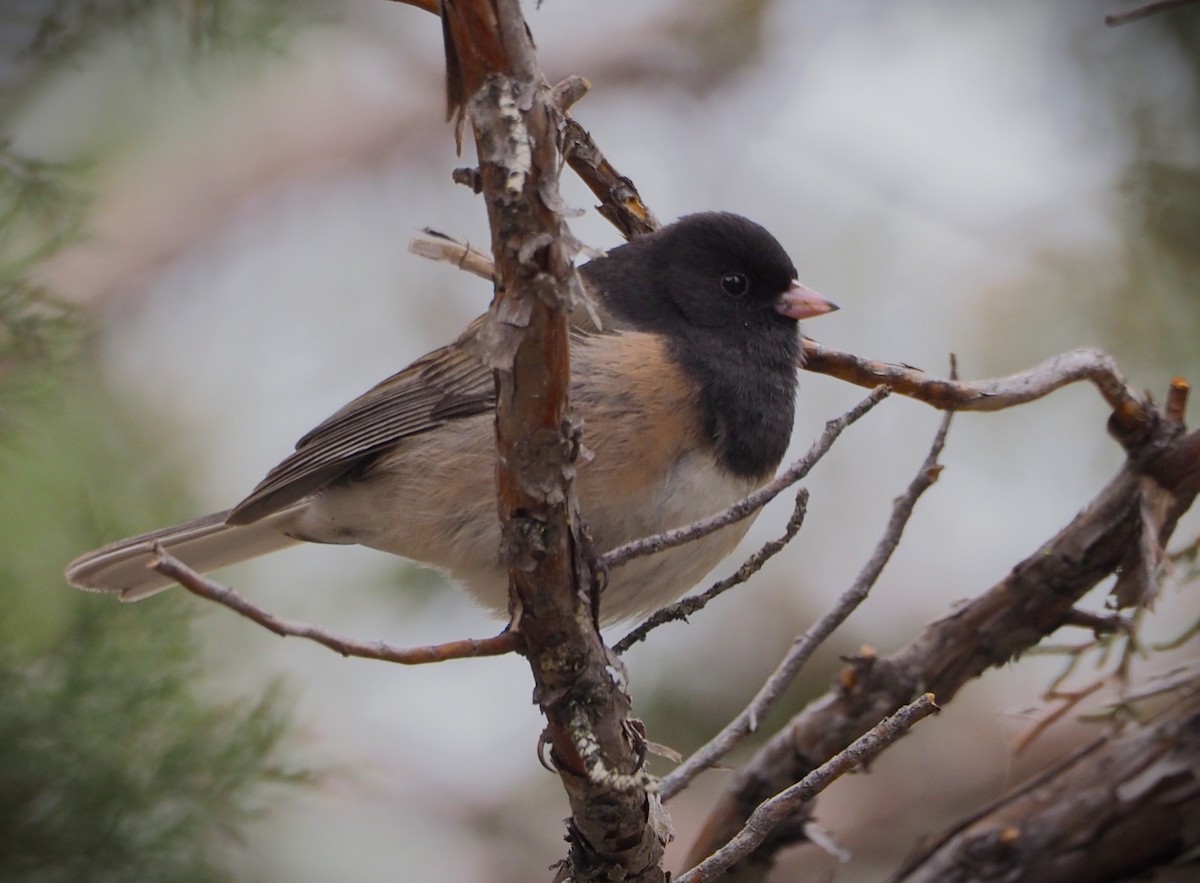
{"type": "Point", "coordinates": [735, 284]}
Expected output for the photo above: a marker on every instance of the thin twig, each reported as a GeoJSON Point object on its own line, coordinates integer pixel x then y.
{"type": "Point", "coordinates": [681, 610]}
{"type": "Point", "coordinates": [1175, 407]}
{"type": "Point", "coordinates": [1067, 699]}
{"type": "Point", "coordinates": [1074, 655]}
{"type": "Point", "coordinates": [991, 630]}
{"type": "Point", "coordinates": [1130, 412]}
{"type": "Point", "coordinates": [568, 91]}
{"type": "Point", "coordinates": [751, 504]}
{"type": "Point", "coordinates": [1117, 19]}
{"type": "Point", "coordinates": [805, 645]}
{"type": "Point", "coordinates": [620, 202]}
{"type": "Point", "coordinates": [1098, 623]}
{"type": "Point", "coordinates": [197, 584]}
{"type": "Point", "coordinates": [1118, 809]}
{"type": "Point", "coordinates": [782, 806]}
{"type": "Point", "coordinates": [438, 246]}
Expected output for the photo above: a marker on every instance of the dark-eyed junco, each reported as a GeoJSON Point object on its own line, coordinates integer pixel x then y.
{"type": "Point", "coordinates": [686, 396]}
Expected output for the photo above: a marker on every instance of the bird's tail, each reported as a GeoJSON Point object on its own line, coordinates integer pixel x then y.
{"type": "Point", "coordinates": [203, 544]}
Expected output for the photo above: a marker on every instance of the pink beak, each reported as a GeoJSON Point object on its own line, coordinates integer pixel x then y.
{"type": "Point", "coordinates": [799, 302]}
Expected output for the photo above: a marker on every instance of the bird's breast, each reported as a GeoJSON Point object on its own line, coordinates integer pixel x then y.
{"type": "Point", "coordinates": [647, 467]}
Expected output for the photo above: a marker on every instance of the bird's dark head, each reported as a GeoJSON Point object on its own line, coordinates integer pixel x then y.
{"type": "Point", "coordinates": [723, 291]}
{"type": "Point", "coordinates": [712, 270]}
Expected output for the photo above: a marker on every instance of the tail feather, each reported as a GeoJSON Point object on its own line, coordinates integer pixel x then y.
{"type": "Point", "coordinates": [203, 544]}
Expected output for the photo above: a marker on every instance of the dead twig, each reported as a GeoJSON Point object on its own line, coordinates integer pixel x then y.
{"type": "Point", "coordinates": [751, 504]}
{"type": "Point", "coordinates": [770, 813]}
{"type": "Point", "coordinates": [1175, 408]}
{"type": "Point", "coordinates": [1132, 417]}
{"type": "Point", "coordinates": [805, 645]}
{"type": "Point", "coordinates": [1032, 601]}
{"type": "Point", "coordinates": [681, 610]}
{"type": "Point", "coordinates": [438, 246]}
{"type": "Point", "coordinates": [202, 586]}
{"type": "Point", "coordinates": [1098, 623]}
{"type": "Point", "coordinates": [620, 202]}
{"type": "Point", "coordinates": [1118, 809]}
{"type": "Point", "coordinates": [568, 91]}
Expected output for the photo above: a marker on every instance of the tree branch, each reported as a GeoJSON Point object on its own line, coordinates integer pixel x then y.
{"type": "Point", "coordinates": [1032, 601]}
{"type": "Point", "coordinates": [1119, 807]}
{"type": "Point", "coordinates": [1133, 420]}
{"type": "Point", "coordinates": [681, 610]}
{"type": "Point", "coordinates": [202, 586]}
{"type": "Point", "coordinates": [805, 645]}
{"type": "Point", "coordinates": [616, 832]}
{"type": "Point", "coordinates": [620, 201]}
{"type": "Point", "coordinates": [751, 504]}
{"type": "Point", "coordinates": [778, 809]}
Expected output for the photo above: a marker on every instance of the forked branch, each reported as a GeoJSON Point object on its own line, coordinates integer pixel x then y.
{"type": "Point", "coordinates": [806, 644]}
{"type": "Point", "coordinates": [1035, 599]}
{"type": "Point", "coordinates": [770, 813]}
{"type": "Point", "coordinates": [1132, 420]}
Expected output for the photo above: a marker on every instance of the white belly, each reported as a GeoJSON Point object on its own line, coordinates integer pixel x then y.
{"type": "Point", "coordinates": [692, 490]}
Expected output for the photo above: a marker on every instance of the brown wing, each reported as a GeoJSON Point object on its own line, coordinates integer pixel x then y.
{"type": "Point", "coordinates": [447, 384]}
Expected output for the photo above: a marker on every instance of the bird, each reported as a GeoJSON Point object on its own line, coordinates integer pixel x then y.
{"type": "Point", "coordinates": [684, 379]}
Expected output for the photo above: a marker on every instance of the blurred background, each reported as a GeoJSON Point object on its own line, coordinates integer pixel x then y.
{"type": "Point", "coordinates": [203, 253]}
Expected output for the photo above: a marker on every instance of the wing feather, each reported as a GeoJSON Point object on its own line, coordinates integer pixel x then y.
{"type": "Point", "coordinates": [447, 384]}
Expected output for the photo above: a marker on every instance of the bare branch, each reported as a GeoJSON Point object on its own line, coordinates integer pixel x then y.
{"type": "Point", "coordinates": [1132, 417]}
{"type": "Point", "coordinates": [202, 586]}
{"type": "Point", "coordinates": [437, 246]}
{"type": "Point", "coordinates": [1033, 600]}
{"type": "Point", "coordinates": [751, 504]}
{"type": "Point", "coordinates": [615, 832]}
{"type": "Point", "coordinates": [620, 201]}
{"type": "Point", "coordinates": [1098, 623]}
{"type": "Point", "coordinates": [805, 645]}
{"type": "Point", "coordinates": [469, 178]}
{"type": "Point", "coordinates": [782, 806]}
{"type": "Point", "coordinates": [681, 610]}
{"type": "Point", "coordinates": [568, 91]}
{"type": "Point", "coordinates": [1115, 810]}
